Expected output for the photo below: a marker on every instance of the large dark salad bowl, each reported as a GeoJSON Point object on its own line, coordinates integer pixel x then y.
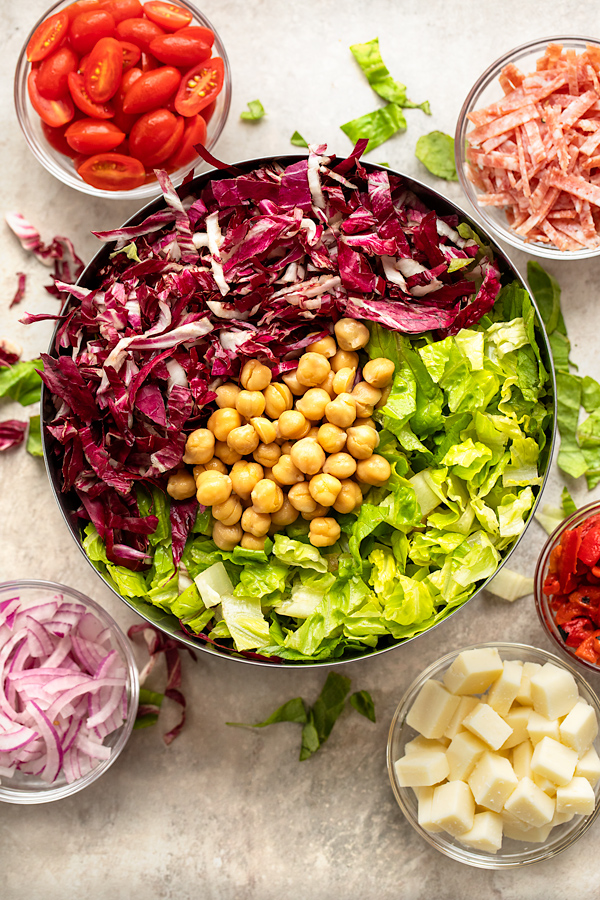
{"type": "Point", "coordinates": [69, 503]}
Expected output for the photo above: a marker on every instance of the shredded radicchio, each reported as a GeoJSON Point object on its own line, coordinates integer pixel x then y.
{"type": "Point", "coordinates": [12, 433]}
{"type": "Point", "coordinates": [258, 264]}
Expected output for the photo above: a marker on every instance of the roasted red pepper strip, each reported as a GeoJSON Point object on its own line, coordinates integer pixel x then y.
{"type": "Point", "coordinates": [589, 649]}
{"type": "Point", "coordinates": [589, 551]}
{"type": "Point", "coordinates": [570, 541]}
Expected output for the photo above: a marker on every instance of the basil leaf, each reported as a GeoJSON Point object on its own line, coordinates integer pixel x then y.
{"type": "Point", "coordinates": [362, 702]}
{"type": "Point", "coordinates": [292, 711]}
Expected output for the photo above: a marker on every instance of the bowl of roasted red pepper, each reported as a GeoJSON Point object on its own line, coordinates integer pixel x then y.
{"type": "Point", "coordinates": [567, 586]}
{"type": "Point", "coordinates": [107, 91]}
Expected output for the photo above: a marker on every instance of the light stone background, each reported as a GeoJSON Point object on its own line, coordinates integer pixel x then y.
{"type": "Point", "coordinates": [228, 813]}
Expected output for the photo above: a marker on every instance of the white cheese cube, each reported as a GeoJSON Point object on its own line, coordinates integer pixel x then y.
{"type": "Point", "coordinates": [524, 693]}
{"type": "Point", "coordinates": [576, 797]}
{"type": "Point", "coordinates": [514, 828]}
{"type": "Point", "coordinates": [560, 818]}
{"type": "Point", "coordinates": [521, 759]}
{"type": "Point", "coordinates": [530, 804]}
{"type": "Point", "coordinates": [432, 710]}
{"type": "Point", "coordinates": [473, 671]}
{"type": "Point", "coordinates": [518, 719]}
{"type": "Point", "coordinates": [553, 691]}
{"type": "Point", "coordinates": [424, 799]}
{"type": "Point", "coordinates": [464, 752]}
{"type": "Point", "coordinates": [492, 781]}
{"type": "Point", "coordinates": [539, 727]}
{"type": "Point", "coordinates": [417, 769]}
{"type": "Point", "coordinates": [589, 766]}
{"type": "Point", "coordinates": [420, 743]}
{"type": "Point", "coordinates": [579, 727]}
{"type": "Point", "coordinates": [553, 760]}
{"type": "Point", "coordinates": [486, 724]}
{"type": "Point", "coordinates": [465, 706]}
{"type": "Point", "coordinates": [506, 687]}
{"type": "Point", "coordinates": [486, 833]}
{"type": "Point", "coordinates": [453, 807]}
{"type": "Point", "coordinates": [529, 835]}
{"type": "Point", "coordinates": [544, 784]}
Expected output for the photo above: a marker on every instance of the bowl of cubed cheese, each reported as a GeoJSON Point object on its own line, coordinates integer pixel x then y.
{"type": "Point", "coordinates": [493, 755]}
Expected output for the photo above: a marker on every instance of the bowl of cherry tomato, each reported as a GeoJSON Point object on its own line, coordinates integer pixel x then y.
{"type": "Point", "coordinates": [567, 586]}
{"type": "Point", "coordinates": [107, 91]}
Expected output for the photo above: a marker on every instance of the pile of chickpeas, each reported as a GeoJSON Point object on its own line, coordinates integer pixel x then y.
{"type": "Point", "coordinates": [302, 446]}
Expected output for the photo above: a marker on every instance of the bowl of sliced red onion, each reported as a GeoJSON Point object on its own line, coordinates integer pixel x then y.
{"type": "Point", "coordinates": [69, 691]}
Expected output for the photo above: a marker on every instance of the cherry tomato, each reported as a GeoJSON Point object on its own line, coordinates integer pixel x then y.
{"type": "Point", "coordinates": [74, 9]}
{"type": "Point", "coordinates": [198, 31]}
{"type": "Point", "coordinates": [123, 9]}
{"type": "Point", "coordinates": [167, 15]}
{"type": "Point", "coordinates": [84, 102]}
{"type": "Point", "coordinates": [199, 87]}
{"type": "Point", "coordinates": [47, 37]}
{"type": "Point", "coordinates": [56, 139]}
{"type": "Point", "coordinates": [121, 119]}
{"type": "Point", "coordinates": [194, 133]}
{"type": "Point", "coordinates": [155, 136]}
{"type": "Point", "coordinates": [83, 64]}
{"type": "Point", "coordinates": [89, 27]}
{"type": "Point", "coordinates": [131, 55]}
{"type": "Point", "coordinates": [112, 172]}
{"type": "Point", "coordinates": [179, 50]}
{"type": "Point", "coordinates": [151, 90]}
{"type": "Point", "coordinates": [207, 112]}
{"type": "Point", "coordinates": [53, 77]}
{"type": "Point", "coordinates": [139, 32]}
{"type": "Point", "coordinates": [93, 136]}
{"type": "Point", "coordinates": [148, 63]}
{"type": "Point", "coordinates": [104, 70]}
{"type": "Point", "coordinates": [53, 112]}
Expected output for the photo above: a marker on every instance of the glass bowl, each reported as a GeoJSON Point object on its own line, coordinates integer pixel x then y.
{"type": "Point", "coordinates": [512, 853]}
{"type": "Point", "coordinates": [22, 788]}
{"type": "Point", "coordinates": [542, 601]}
{"type": "Point", "coordinates": [62, 167]}
{"type": "Point", "coordinates": [487, 90]}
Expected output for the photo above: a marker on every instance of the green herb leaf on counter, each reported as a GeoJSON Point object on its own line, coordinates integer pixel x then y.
{"type": "Point", "coordinates": [436, 151]}
{"type": "Point", "coordinates": [362, 702]}
{"type": "Point", "coordinates": [254, 112]}
{"type": "Point", "coordinates": [34, 437]}
{"type": "Point", "coordinates": [21, 382]}
{"type": "Point", "coordinates": [292, 711]}
{"type": "Point", "coordinates": [297, 140]}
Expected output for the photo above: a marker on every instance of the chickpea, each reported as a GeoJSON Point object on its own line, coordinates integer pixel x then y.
{"type": "Point", "coordinates": [286, 447]}
{"type": "Point", "coordinates": [212, 488]}
{"type": "Point", "coordinates": [229, 512]}
{"type": "Point", "coordinates": [244, 476]}
{"type": "Point", "coordinates": [385, 393]}
{"type": "Point", "coordinates": [267, 454]}
{"type": "Point", "coordinates": [341, 411]}
{"type": "Point", "coordinates": [251, 542]}
{"type": "Point", "coordinates": [227, 456]}
{"type": "Point", "coordinates": [243, 440]}
{"type": "Point", "coordinates": [266, 496]}
{"type": "Point", "coordinates": [313, 433]}
{"type": "Point", "coordinates": [326, 346]}
{"type": "Point", "coordinates": [374, 470]}
{"type": "Point", "coordinates": [223, 421]}
{"type": "Point", "coordinates": [256, 523]}
{"type": "Point", "coordinates": [331, 438]}
{"type": "Point", "coordinates": [324, 488]}
{"type": "Point", "coordinates": [307, 455]}
{"type": "Point", "coordinates": [268, 474]}
{"type": "Point", "coordinates": [226, 537]}
{"type": "Point", "coordinates": [365, 397]}
{"type": "Point", "coordinates": [199, 447]}
{"type": "Point", "coordinates": [343, 381]}
{"type": "Point", "coordinates": [327, 385]}
{"type": "Point", "coordinates": [342, 465]}
{"type": "Point", "coordinates": [362, 420]}
{"type": "Point", "coordinates": [284, 516]}
{"type": "Point", "coordinates": [255, 376]}
{"type": "Point", "coordinates": [324, 531]}
{"type": "Point", "coordinates": [313, 403]}
{"type": "Point", "coordinates": [215, 465]}
{"type": "Point", "coordinates": [285, 472]}
{"type": "Point", "coordinates": [350, 334]}
{"type": "Point", "coordinates": [319, 512]}
{"type": "Point", "coordinates": [344, 359]}
{"type": "Point", "coordinates": [278, 398]}
{"type": "Point", "coordinates": [292, 424]}
{"type": "Point", "coordinates": [362, 441]}
{"type": "Point", "coordinates": [226, 395]}
{"type": "Point", "coordinates": [250, 403]}
{"type": "Point", "coordinates": [181, 485]}
{"type": "Point", "coordinates": [301, 499]}
{"type": "Point", "coordinates": [379, 372]}
{"type": "Point", "coordinates": [349, 497]}
{"type": "Point", "coordinates": [292, 382]}
{"type": "Point", "coordinates": [312, 369]}
{"type": "Point", "coordinates": [265, 429]}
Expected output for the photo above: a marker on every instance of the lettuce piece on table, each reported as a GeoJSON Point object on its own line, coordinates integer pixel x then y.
{"type": "Point", "coordinates": [436, 151]}
{"type": "Point", "coordinates": [368, 56]}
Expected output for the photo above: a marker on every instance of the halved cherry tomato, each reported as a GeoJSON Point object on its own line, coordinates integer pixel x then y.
{"type": "Point", "coordinates": [84, 102]}
{"type": "Point", "coordinates": [155, 136]}
{"type": "Point", "coordinates": [139, 32]}
{"type": "Point", "coordinates": [121, 119]}
{"type": "Point", "coordinates": [167, 15]}
{"type": "Point", "coordinates": [104, 70]}
{"type": "Point", "coordinates": [53, 77]}
{"type": "Point", "coordinates": [179, 50]}
{"type": "Point", "coordinates": [56, 139]}
{"type": "Point", "coordinates": [200, 86]}
{"type": "Point", "coordinates": [207, 112]}
{"type": "Point", "coordinates": [194, 133]}
{"type": "Point", "coordinates": [83, 64]}
{"type": "Point", "coordinates": [112, 172]}
{"type": "Point", "coordinates": [93, 136]}
{"type": "Point", "coordinates": [53, 112]}
{"type": "Point", "coordinates": [74, 9]}
{"type": "Point", "coordinates": [48, 36]}
{"type": "Point", "coordinates": [152, 90]}
{"type": "Point", "coordinates": [148, 63]}
{"type": "Point", "coordinates": [89, 27]}
{"type": "Point", "coordinates": [198, 31]}
{"type": "Point", "coordinates": [123, 9]}
{"type": "Point", "coordinates": [131, 55]}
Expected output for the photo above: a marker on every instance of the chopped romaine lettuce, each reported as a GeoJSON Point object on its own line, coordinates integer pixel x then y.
{"type": "Point", "coordinates": [254, 112]}
{"type": "Point", "coordinates": [436, 151]}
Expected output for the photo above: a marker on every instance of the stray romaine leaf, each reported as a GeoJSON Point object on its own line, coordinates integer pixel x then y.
{"type": "Point", "coordinates": [297, 140]}
{"type": "Point", "coordinates": [21, 382]}
{"type": "Point", "coordinates": [510, 585]}
{"type": "Point", "coordinates": [568, 504]}
{"type": "Point", "coordinates": [436, 151]}
{"type": "Point", "coordinates": [363, 704]}
{"type": "Point", "coordinates": [255, 111]}
{"type": "Point", "coordinates": [34, 437]}
{"type": "Point", "coordinates": [368, 56]}
{"type": "Point", "coordinates": [148, 708]}
{"type": "Point", "coordinates": [549, 517]}
{"type": "Point", "coordinates": [292, 711]}
{"type": "Point", "coordinates": [378, 126]}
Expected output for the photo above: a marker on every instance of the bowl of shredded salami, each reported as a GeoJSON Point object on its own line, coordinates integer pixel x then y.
{"type": "Point", "coordinates": [528, 147]}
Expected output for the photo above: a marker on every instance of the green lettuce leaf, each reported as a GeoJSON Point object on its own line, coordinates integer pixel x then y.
{"type": "Point", "coordinates": [21, 382]}
{"type": "Point", "coordinates": [254, 112]}
{"type": "Point", "coordinates": [368, 57]}
{"type": "Point", "coordinates": [377, 126]}
{"type": "Point", "coordinates": [436, 151]}
{"type": "Point", "coordinates": [34, 437]}
{"type": "Point", "coordinates": [297, 140]}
